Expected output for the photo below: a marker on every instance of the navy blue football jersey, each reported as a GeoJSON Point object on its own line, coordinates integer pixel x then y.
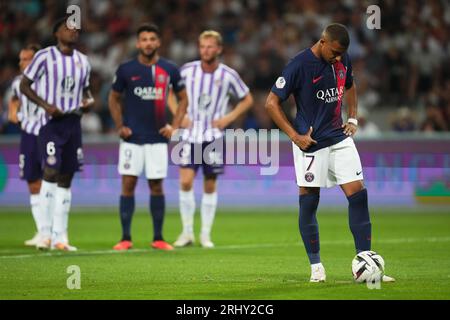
{"type": "Point", "coordinates": [318, 88]}
{"type": "Point", "coordinates": [146, 90]}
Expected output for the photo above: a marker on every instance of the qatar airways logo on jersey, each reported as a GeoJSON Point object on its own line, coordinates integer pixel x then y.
{"type": "Point", "coordinates": [149, 93]}
{"type": "Point", "coordinates": [331, 95]}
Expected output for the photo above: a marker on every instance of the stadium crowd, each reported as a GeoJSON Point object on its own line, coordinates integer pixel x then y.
{"type": "Point", "coordinates": [403, 68]}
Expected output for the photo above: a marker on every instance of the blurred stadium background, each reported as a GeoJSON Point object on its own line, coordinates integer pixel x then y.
{"type": "Point", "coordinates": [402, 72]}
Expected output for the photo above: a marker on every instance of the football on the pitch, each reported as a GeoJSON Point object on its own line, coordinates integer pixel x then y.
{"type": "Point", "coordinates": [368, 266]}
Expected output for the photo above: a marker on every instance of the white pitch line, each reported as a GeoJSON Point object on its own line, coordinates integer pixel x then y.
{"type": "Point", "coordinates": [228, 247]}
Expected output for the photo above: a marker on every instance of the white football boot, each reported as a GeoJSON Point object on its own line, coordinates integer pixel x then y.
{"type": "Point", "coordinates": [63, 246]}
{"type": "Point", "coordinates": [388, 279]}
{"type": "Point", "coordinates": [43, 243]}
{"type": "Point", "coordinates": [205, 241]}
{"type": "Point", "coordinates": [33, 241]}
{"type": "Point", "coordinates": [184, 240]}
{"type": "Point", "coordinates": [317, 273]}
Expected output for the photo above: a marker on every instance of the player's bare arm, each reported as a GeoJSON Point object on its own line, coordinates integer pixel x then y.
{"type": "Point", "coordinates": [243, 106]}
{"type": "Point", "coordinates": [273, 107]}
{"type": "Point", "coordinates": [169, 130]}
{"type": "Point", "coordinates": [172, 103]}
{"type": "Point", "coordinates": [352, 105]}
{"type": "Point", "coordinates": [13, 109]}
{"type": "Point", "coordinates": [25, 88]}
{"type": "Point", "coordinates": [115, 107]}
{"type": "Point", "coordinates": [88, 100]}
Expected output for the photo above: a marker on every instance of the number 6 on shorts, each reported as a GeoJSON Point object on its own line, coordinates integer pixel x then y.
{"type": "Point", "coordinates": [51, 148]}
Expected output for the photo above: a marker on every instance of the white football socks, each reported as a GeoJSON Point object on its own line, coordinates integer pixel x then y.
{"type": "Point", "coordinates": [208, 211]}
{"type": "Point", "coordinates": [47, 199]}
{"type": "Point", "coordinates": [35, 209]}
{"type": "Point", "coordinates": [63, 198]}
{"type": "Point", "coordinates": [187, 210]}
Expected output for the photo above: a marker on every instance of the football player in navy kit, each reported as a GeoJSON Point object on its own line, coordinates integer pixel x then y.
{"type": "Point", "coordinates": [142, 126]}
{"type": "Point", "coordinates": [324, 152]}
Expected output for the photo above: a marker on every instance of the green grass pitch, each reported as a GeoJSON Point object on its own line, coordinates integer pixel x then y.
{"type": "Point", "coordinates": [258, 255]}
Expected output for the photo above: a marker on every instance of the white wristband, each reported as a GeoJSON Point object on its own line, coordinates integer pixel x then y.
{"type": "Point", "coordinates": [353, 121]}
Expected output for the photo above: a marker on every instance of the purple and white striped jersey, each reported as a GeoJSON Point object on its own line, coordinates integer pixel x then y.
{"type": "Point", "coordinates": [62, 77]}
{"type": "Point", "coordinates": [31, 116]}
{"type": "Point", "coordinates": [208, 95]}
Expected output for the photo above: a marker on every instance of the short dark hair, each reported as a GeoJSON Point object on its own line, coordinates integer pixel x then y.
{"type": "Point", "coordinates": [33, 47]}
{"type": "Point", "coordinates": [148, 27]}
{"type": "Point", "coordinates": [337, 32]}
{"type": "Point", "coordinates": [59, 22]}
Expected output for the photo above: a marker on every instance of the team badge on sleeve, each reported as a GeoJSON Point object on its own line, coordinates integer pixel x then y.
{"type": "Point", "coordinates": [281, 82]}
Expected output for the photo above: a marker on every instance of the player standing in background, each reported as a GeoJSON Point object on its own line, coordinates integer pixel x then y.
{"type": "Point", "coordinates": [142, 126]}
{"type": "Point", "coordinates": [324, 152]}
{"type": "Point", "coordinates": [209, 84]}
{"type": "Point", "coordinates": [63, 76]}
{"type": "Point", "coordinates": [30, 118]}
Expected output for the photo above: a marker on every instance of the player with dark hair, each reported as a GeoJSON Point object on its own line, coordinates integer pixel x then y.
{"type": "Point", "coordinates": [324, 152]}
{"type": "Point", "coordinates": [141, 123]}
{"type": "Point", "coordinates": [30, 118]}
{"type": "Point", "coordinates": [62, 74]}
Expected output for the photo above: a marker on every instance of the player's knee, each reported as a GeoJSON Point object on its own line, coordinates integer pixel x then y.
{"type": "Point", "coordinates": [186, 184]}
{"type": "Point", "coordinates": [210, 187]}
{"type": "Point", "coordinates": [353, 188]}
{"type": "Point", "coordinates": [65, 180]}
{"type": "Point", "coordinates": [128, 185]}
{"type": "Point", "coordinates": [50, 175]}
{"type": "Point", "coordinates": [309, 190]}
{"type": "Point", "coordinates": [156, 187]}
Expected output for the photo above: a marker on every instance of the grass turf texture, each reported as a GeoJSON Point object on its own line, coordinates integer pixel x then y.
{"type": "Point", "coordinates": [258, 255]}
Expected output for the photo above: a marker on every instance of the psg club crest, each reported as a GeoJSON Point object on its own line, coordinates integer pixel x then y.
{"type": "Point", "coordinates": [127, 153]}
{"type": "Point", "coordinates": [341, 74]}
{"type": "Point", "coordinates": [161, 78]}
{"type": "Point", "coordinates": [309, 177]}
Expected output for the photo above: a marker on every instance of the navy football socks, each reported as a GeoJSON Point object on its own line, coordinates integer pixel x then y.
{"type": "Point", "coordinates": [126, 214]}
{"type": "Point", "coordinates": [157, 207]}
{"type": "Point", "coordinates": [309, 228]}
{"type": "Point", "coordinates": [359, 220]}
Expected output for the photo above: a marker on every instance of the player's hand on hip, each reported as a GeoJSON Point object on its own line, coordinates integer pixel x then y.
{"type": "Point", "coordinates": [125, 132]}
{"type": "Point", "coordinates": [349, 129]}
{"type": "Point", "coordinates": [87, 104]}
{"type": "Point", "coordinates": [304, 141]}
{"type": "Point", "coordinates": [221, 123]}
{"type": "Point", "coordinates": [53, 111]}
{"type": "Point", "coordinates": [167, 131]}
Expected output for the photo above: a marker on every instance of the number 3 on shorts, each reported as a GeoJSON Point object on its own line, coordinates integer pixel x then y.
{"type": "Point", "coordinates": [51, 148]}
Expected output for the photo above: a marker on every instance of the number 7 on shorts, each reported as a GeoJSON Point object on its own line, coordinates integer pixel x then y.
{"type": "Point", "coordinates": [310, 164]}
